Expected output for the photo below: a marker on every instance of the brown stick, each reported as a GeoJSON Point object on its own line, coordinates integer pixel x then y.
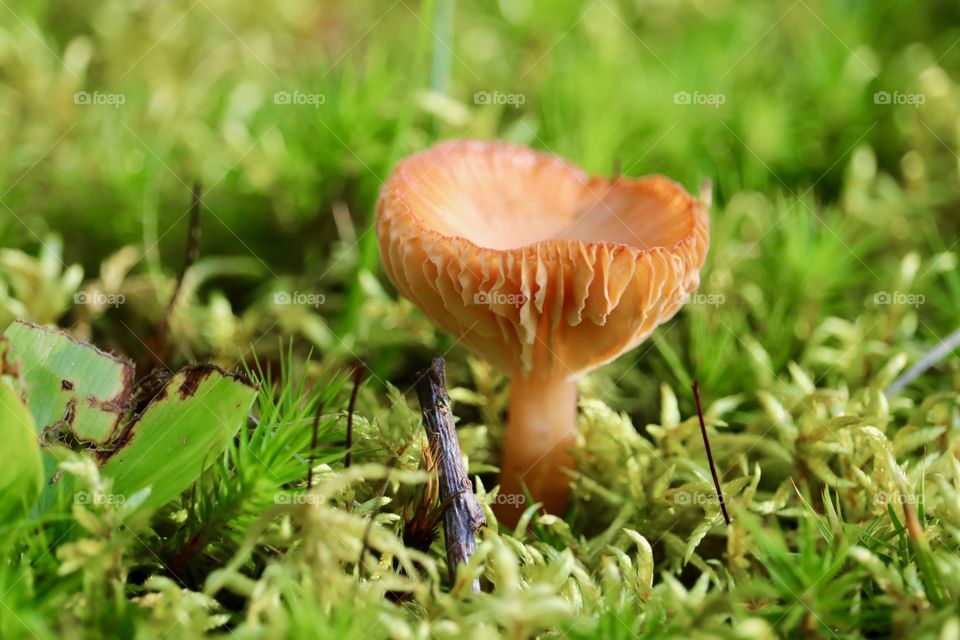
{"type": "Point", "coordinates": [463, 517]}
{"type": "Point", "coordinates": [313, 448]}
{"type": "Point", "coordinates": [706, 443]}
{"type": "Point", "coordinates": [158, 344]}
{"type": "Point", "coordinates": [358, 374]}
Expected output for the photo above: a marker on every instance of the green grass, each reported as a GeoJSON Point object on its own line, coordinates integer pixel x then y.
{"type": "Point", "coordinates": [827, 205]}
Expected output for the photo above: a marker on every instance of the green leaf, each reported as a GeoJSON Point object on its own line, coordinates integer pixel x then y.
{"type": "Point", "coordinates": [69, 383]}
{"type": "Point", "coordinates": [75, 387]}
{"type": "Point", "coordinates": [181, 432]}
{"type": "Point", "coordinates": [21, 475]}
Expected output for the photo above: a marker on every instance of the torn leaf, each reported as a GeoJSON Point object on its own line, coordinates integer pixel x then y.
{"type": "Point", "coordinates": [68, 383]}
{"type": "Point", "coordinates": [180, 433]}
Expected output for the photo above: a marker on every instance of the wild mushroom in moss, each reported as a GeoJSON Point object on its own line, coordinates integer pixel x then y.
{"type": "Point", "coordinates": [542, 270]}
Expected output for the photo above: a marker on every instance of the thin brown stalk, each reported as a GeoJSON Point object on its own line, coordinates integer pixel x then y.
{"type": "Point", "coordinates": [706, 444]}
{"type": "Point", "coordinates": [358, 374]}
{"type": "Point", "coordinates": [159, 345]}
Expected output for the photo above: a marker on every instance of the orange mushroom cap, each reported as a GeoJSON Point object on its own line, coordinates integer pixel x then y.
{"type": "Point", "coordinates": [532, 264]}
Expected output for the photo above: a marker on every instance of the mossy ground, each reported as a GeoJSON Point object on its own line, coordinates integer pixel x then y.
{"type": "Point", "coordinates": [829, 130]}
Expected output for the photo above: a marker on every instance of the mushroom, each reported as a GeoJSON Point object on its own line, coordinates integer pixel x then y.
{"type": "Point", "coordinates": [543, 271]}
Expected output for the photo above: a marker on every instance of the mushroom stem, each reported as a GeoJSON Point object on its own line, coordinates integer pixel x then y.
{"type": "Point", "coordinates": [540, 432]}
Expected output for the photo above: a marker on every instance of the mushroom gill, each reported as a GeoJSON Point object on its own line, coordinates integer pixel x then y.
{"type": "Point", "coordinates": [538, 268]}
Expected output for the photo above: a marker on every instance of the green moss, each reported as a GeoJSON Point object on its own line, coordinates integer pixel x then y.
{"type": "Point", "coordinates": [833, 266]}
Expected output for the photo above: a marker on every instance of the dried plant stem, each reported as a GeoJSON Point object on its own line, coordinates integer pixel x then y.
{"type": "Point", "coordinates": [463, 517]}
{"type": "Point", "coordinates": [158, 345]}
{"type": "Point", "coordinates": [358, 374]}
{"type": "Point", "coordinates": [313, 449]}
{"type": "Point", "coordinates": [929, 359]}
{"type": "Point", "coordinates": [706, 444]}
